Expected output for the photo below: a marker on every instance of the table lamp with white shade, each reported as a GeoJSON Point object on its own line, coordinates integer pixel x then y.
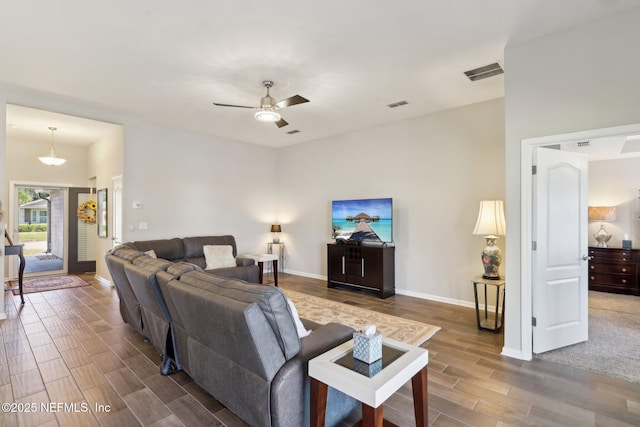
{"type": "Point", "coordinates": [491, 224]}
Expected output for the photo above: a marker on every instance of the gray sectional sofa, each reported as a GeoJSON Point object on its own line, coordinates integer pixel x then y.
{"type": "Point", "coordinates": [236, 339]}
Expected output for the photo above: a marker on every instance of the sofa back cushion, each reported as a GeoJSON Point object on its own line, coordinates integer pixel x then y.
{"type": "Point", "coordinates": [194, 247]}
{"type": "Point", "coordinates": [126, 252]}
{"type": "Point", "coordinates": [169, 249]}
{"type": "Point", "coordinates": [179, 268]}
{"type": "Point", "coordinates": [153, 265]}
{"type": "Point", "coordinates": [270, 300]}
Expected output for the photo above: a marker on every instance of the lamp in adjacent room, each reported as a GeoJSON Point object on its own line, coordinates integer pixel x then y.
{"type": "Point", "coordinates": [491, 224]}
{"type": "Point", "coordinates": [51, 159]}
{"type": "Point", "coordinates": [602, 214]}
{"type": "Point", "coordinates": [275, 229]}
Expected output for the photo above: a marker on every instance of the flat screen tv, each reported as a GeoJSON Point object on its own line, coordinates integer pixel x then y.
{"type": "Point", "coordinates": [362, 221]}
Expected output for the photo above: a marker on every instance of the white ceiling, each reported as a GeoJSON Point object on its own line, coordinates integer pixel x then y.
{"type": "Point", "coordinates": [167, 61]}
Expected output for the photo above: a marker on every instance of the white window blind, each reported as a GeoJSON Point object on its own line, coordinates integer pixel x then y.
{"type": "Point", "coordinates": [87, 236]}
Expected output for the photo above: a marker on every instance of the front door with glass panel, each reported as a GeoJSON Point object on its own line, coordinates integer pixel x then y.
{"type": "Point", "coordinates": [82, 230]}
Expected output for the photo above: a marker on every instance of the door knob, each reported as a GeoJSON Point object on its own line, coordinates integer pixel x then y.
{"type": "Point", "coordinates": [585, 258]}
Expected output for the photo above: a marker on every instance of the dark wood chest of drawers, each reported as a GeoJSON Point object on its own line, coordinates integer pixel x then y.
{"type": "Point", "coordinates": [614, 270]}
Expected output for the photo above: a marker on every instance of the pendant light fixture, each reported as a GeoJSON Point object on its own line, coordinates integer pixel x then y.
{"type": "Point", "coordinates": [52, 160]}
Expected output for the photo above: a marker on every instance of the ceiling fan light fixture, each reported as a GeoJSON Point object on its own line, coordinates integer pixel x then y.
{"type": "Point", "coordinates": [51, 159]}
{"type": "Point", "coordinates": [267, 115]}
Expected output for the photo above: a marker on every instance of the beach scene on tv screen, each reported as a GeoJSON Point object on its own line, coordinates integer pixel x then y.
{"type": "Point", "coordinates": [368, 220]}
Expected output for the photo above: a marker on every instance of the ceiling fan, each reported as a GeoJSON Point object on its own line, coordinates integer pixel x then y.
{"type": "Point", "coordinates": [267, 111]}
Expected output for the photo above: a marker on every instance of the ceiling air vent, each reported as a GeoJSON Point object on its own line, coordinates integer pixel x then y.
{"type": "Point", "coordinates": [484, 72]}
{"type": "Point", "coordinates": [291, 132]}
{"type": "Point", "coordinates": [582, 143]}
{"type": "Point", "coordinates": [397, 104]}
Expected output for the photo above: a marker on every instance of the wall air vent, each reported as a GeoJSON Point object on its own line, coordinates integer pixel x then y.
{"type": "Point", "coordinates": [397, 104]}
{"type": "Point", "coordinates": [484, 72]}
{"type": "Point", "coordinates": [291, 132]}
{"type": "Point", "coordinates": [582, 143]}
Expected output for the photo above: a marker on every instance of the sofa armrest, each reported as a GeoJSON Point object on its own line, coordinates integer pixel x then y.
{"type": "Point", "coordinates": [323, 339]}
{"type": "Point", "coordinates": [243, 262]}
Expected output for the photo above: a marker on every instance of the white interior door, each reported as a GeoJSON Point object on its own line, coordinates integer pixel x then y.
{"type": "Point", "coordinates": [560, 287]}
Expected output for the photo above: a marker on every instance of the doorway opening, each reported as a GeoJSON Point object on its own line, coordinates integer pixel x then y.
{"type": "Point", "coordinates": [528, 224]}
{"type": "Point", "coordinates": [40, 226]}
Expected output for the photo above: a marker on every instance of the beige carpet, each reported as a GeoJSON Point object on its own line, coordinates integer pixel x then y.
{"type": "Point", "coordinates": [613, 348]}
{"type": "Point", "coordinates": [323, 311]}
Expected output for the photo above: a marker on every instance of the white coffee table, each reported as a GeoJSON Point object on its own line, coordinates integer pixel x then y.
{"type": "Point", "coordinates": [261, 259]}
{"type": "Point", "coordinates": [401, 363]}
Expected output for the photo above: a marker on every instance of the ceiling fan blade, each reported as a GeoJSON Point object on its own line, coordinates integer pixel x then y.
{"type": "Point", "coordinates": [231, 105]}
{"type": "Point", "coordinates": [294, 100]}
{"type": "Point", "coordinates": [281, 123]}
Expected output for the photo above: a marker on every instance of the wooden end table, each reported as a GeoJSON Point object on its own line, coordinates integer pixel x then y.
{"type": "Point", "coordinates": [486, 323]}
{"type": "Point", "coordinates": [261, 259]}
{"type": "Point", "coordinates": [400, 363]}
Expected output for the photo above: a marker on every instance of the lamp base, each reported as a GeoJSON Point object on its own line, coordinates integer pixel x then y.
{"type": "Point", "coordinates": [602, 237]}
{"type": "Point", "coordinates": [491, 259]}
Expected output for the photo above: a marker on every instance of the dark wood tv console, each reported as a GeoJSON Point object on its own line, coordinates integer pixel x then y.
{"type": "Point", "coordinates": [362, 266]}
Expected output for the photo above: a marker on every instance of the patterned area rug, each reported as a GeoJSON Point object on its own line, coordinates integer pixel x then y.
{"type": "Point", "coordinates": [51, 283]}
{"type": "Point", "coordinates": [323, 311]}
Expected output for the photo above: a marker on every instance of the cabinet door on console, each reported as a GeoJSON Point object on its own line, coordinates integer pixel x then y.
{"type": "Point", "coordinates": [336, 268]}
{"type": "Point", "coordinates": [372, 267]}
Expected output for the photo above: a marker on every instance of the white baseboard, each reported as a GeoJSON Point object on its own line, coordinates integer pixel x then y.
{"type": "Point", "coordinates": [400, 291]}
{"type": "Point", "coordinates": [512, 352]}
{"type": "Point", "coordinates": [436, 298]}
{"type": "Point", "coordinates": [303, 274]}
{"type": "Point", "coordinates": [103, 280]}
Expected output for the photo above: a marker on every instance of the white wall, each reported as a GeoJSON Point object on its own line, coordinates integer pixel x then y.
{"type": "Point", "coordinates": [436, 168]}
{"type": "Point", "coordinates": [188, 183]}
{"type": "Point", "coordinates": [23, 164]}
{"type": "Point", "coordinates": [194, 185]}
{"type": "Point", "coordinates": [580, 79]}
{"type": "Point", "coordinates": [3, 188]}
{"type": "Point", "coordinates": [616, 183]}
{"type": "Point", "coordinates": [105, 159]}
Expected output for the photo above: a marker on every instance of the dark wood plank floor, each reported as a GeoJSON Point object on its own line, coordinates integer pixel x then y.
{"type": "Point", "coordinates": [72, 346]}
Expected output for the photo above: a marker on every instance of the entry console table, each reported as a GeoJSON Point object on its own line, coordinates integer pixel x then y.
{"type": "Point", "coordinates": [12, 249]}
{"type": "Point", "coordinates": [362, 266]}
{"type": "Point", "coordinates": [614, 270]}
